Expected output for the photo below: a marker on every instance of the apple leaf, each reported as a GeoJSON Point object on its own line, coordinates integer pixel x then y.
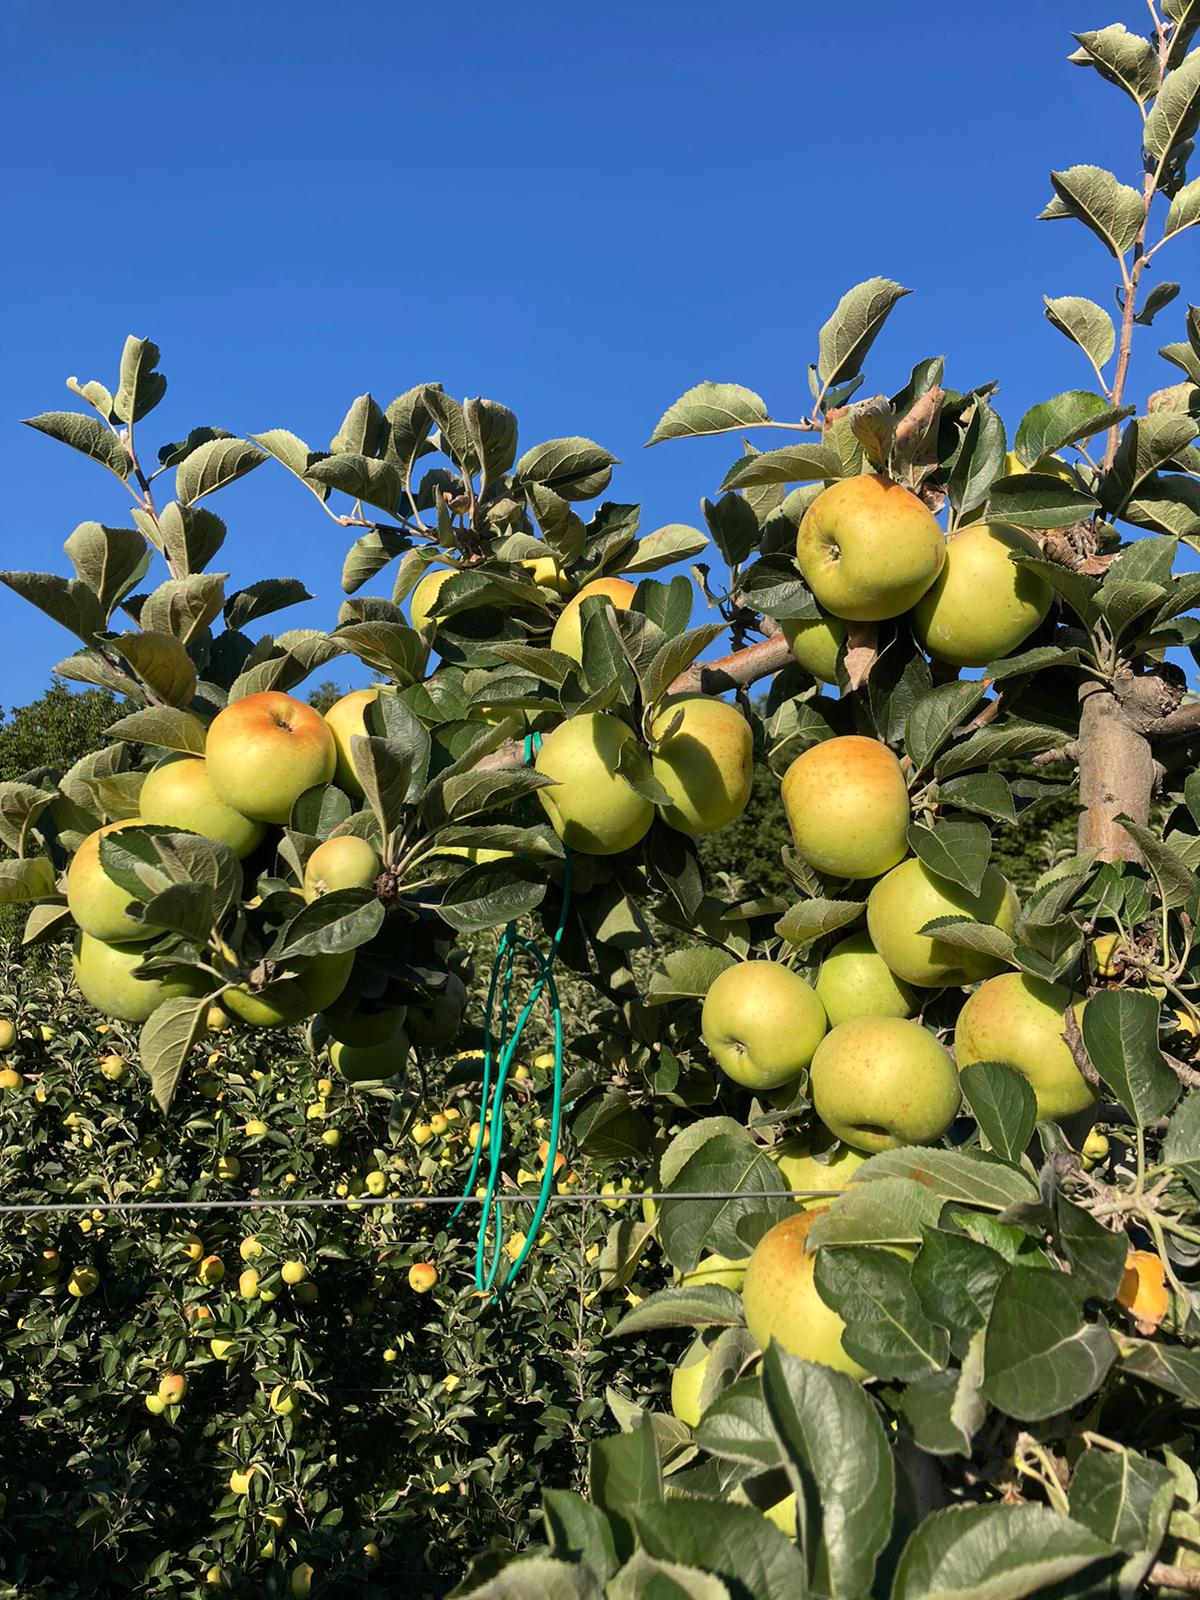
{"type": "Point", "coordinates": [852, 329]}
{"type": "Point", "coordinates": [1002, 1103]}
{"type": "Point", "coordinates": [1041, 1356]}
{"type": "Point", "coordinates": [1123, 1497]}
{"type": "Point", "coordinates": [213, 465]}
{"type": "Point", "coordinates": [993, 1552]}
{"type": "Point", "coordinates": [1067, 418]}
{"type": "Point", "coordinates": [1181, 1143]}
{"type": "Point", "coordinates": [1170, 1367]}
{"type": "Point", "coordinates": [166, 1042]}
{"type": "Point", "coordinates": [576, 469]}
{"type": "Point", "coordinates": [956, 1279]}
{"type": "Point", "coordinates": [1096, 1253]}
{"type": "Point", "coordinates": [935, 716]}
{"type": "Point", "coordinates": [958, 849]}
{"type": "Point", "coordinates": [736, 1182]}
{"type": "Point", "coordinates": [949, 1175]}
{"type": "Point", "coordinates": [736, 1426]}
{"type": "Point", "coordinates": [890, 1210]}
{"type": "Point", "coordinates": [704, 1305]}
{"type": "Point", "coordinates": [687, 974]}
{"type": "Point", "coordinates": [945, 1410]}
{"type": "Point", "coordinates": [537, 1578]}
{"type": "Point", "coordinates": [492, 894]}
{"type": "Point", "coordinates": [24, 881]}
{"type": "Point", "coordinates": [812, 919]}
{"type": "Point", "coordinates": [1120, 1033]}
{"type": "Point", "coordinates": [1037, 500]}
{"type": "Point", "coordinates": [734, 1541]}
{"type": "Point", "coordinates": [578, 1531]}
{"type": "Point", "coordinates": [165, 727]}
{"type": "Point", "coordinates": [86, 434]}
{"type": "Point", "coordinates": [332, 924]}
{"type": "Point", "coordinates": [886, 1328]}
{"type": "Point", "coordinates": [646, 1577]}
{"type": "Point", "coordinates": [710, 408]}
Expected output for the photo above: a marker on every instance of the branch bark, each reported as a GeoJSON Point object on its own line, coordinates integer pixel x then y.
{"type": "Point", "coordinates": [738, 670]}
{"type": "Point", "coordinates": [1116, 774]}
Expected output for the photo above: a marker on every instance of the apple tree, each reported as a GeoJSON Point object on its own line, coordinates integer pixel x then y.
{"type": "Point", "coordinates": [926, 1155]}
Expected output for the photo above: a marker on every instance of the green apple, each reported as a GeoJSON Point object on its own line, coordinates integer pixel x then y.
{"type": "Point", "coordinates": [855, 981]}
{"type": "Point", "coordinates": [900, 905]}
{"type": "Point", "coordinates": [1019, 1020]}
{"type": "Point", "coordinates": [179, 794]}
{"type": "Point", "coordinates": [370, 1063]}
{"type": "Point", "coordinates": [353, 1024]}
{"type": "Point", "coordinates": [317, 984]}
{"type": "Point", "coordinates": [718, 1269]}
{"type": "Point", "coordinates": [761, 1023]}
{"type": "Point", "coordinates": [869, 549]}
{"type": "Point", "coordinates": [591, 808]}
{"type": "Point", "coordinates": [706, 764]}
{"type": "Point", "coordinates": [97, 903]}
{"type": "Point", "coordinates": [800, 1169]}
{"type": "Point", "coordinates": [781, 1301]}
{"type": "Point", "coordinates": [8, 1033]}
{"type": "Point", "coordinates": [847, 806]}
{"type": "Point", "coordinates": [434, 1020]}
{"type": "Point", "coordinates": [424, 597]}
{"type": "Point", "coordinates": [105, 975]}
{"type": "Point", "coordinates": [982, 604]}
{"type": "Point", "coordinates": [345, 862]}
{"type": "Point", "coordinates": [687, 1381]}
{"type": "Point", "coordinates": [545, 570]}
{"type": "Point", "coordinates": [567, 637]}
{"type": "Point", "coordinates": [265, 750]}
{"type": "Point", "coordinates": [346, 719]}
{"type": "Point", "coordinates": [816, 643]}
{"type": "Point", "coordinates": [882, 1082]}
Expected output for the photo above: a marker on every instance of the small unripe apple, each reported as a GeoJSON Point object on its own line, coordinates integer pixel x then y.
{"type": "Point", "coordinates": [781, 1301]}
{"type": "Point", "coordinates": [228, 1168]}
{"type": "Point", "coordinates": [1020, 1020]}
{"type": "Point", "coordinates": [331, 1137]}
{"type": "Point", "coordinates": [376, 1183]}
{"type": "Point", "coordinates": [346, 718]}
{"type": "Point", "coordinates": [105, 975]}
{"type": "Point", "coordinates": [761, 1023]}
{"type": "Point", "coordinates": [424, 597]}
{"type": "Point", "coordinates": [982, 605]}
{"type": "Point", "coordinates": [84, 1281]}
{"type": "Point", "coordinates": [300, 1582]}
{"type": "Point", "coordinates": [800, 1169]}
{"type": "Point", "coordinates": [422, 1276]}
{"type": "Point", "coordinates": [345, 862]}
{"type": "Point", "coordinates": [8, 1033]}
{"type": "Point", "coordinates": [217, 1020]}
{"type": "Point", "coordinates": [265, 750]}
{"type": "Point", "coordinates": [869, 549]}
{"type": "Point", "coordinates": [248, 1284]}
{"type": "Point", "coordinates": [192, 1246]}
{"type": "Point", "coordinates": [1108, 955]}
{"type": "Point", "coordinates": [113, 1067]}
{"type": "Point", "coordinates": [155, 1405]}
{"type": "Point", "coordinates": [371, 1063]}
{"type": "Point", "coordinates": [567, 637]}
{"type": "Point", "coordinates": [591, 808]}
{"type": "Point", "coordinates": [900, 905]}
{"type": "Point", "coordinates": [1094, 1149]}
{"type": "Point", "coordinates": [319, 981]}
{"type": "Point", "coordinates": [178, 793]}
{"type": "Point", "coordinates": [816, 643]}
{"type": "Point", "coordinates": [855, 981]}
{"type": "Point", "coordinates": [881, 1082]}
{"type": "Point", "coordinates": [847, 806]}
{"type": "Point", "coordinates": [706, 765]}
{"type": "Point", "coordinates": [687, 1381]}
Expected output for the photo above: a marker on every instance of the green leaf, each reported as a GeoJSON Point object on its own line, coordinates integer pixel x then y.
{"type": "Point", "coordinates": [993, 1552]}
{"type": "Point", "coordinates": [1096, 1254]}
{"type": "Point", "coordinates": [140, 387]}
{"type": "Point", "coordinates": [979, 460]}
{"type": "Point", "coordinates": [1172, 873]}
{"type": "Point", "coordinates": [958, 849]}
{"type": "Point", "coordinates": [625, 1479]}
{"type": "Point", "coordinates": [21, 804]}
{"type": "Point", "coordinates": [812, 919]}
{"type": "Point", "coordinates": [24, 881]}
{"type": "Point", "coordinates": [183, 608]}
{"type": "Point", "coordinates": [190, 536]}
{"type": "Point", "coordinates": [747, 1184]}
{"type": "Point", "coordinates": [736, 1542]}
{"type": "Point", "coordinates": [950, 1175]}
{"type": "Point", "coordinates": [1085, 324]}
{"type": "Point", "coordinates": [1170, 1367]}
{"type": "Point", "coordinates": [166, 1042]}
{"type": "Point", "coordinates": [945, 1410]}
{"type": "Point", "coordinates": [110, 561]}
{"type": "Point", "coordinates": [934, 718]}
{"type": "Point", "coordinates": [985, 792]}
{"type": "Point", "coordinates": [537, 1578]}
{"type": "Point", "coordinates": [1175, 113]}
{"type": "Point", "coordinates": [1035, 660]}
{"type": "Point", "coordinates": [1181, 1142]}
{"type": "Point", "coordinates": [736, 1426]}
{"type": "Point", "coordinates": [363, 430]}
{"type": "Point", "coordinates": [378, 483]}
{"type": "Point", "coordinates": [797, 463]}
{"type": "Point", "coordinates": [214, 465]}
{"type": "Point", "coordinates": [847, 1493]}
{"type": "Point", "coordinates": [1040, 1356]}
{"type": "Point", "coordinates": [562, 528]}
{"type": "Point", "coordinates": [1068, 418]}
{"type": "Point", "coordinates": [1120, 1033]}
{"type": "Point", "coordinates": [1112, 210]}
{"type": "Point", "coordinates": [956, 1279]}
{"type": "Point", "coordinates": [687, 974]}
{"type": "Point", "coordinates": [1003, 1104]}
{"type": "Point", "coordinates": [161, 663]}
{"type": "Point", "coordinates": [578, 1531]}
{"type": "Point", "coordinates": [1013, 740]}
{"type": "Point", "coordinates": [674, 657]}
{"type": "Point", "coordinates": [710, 408]}
{"type": "Point", "coordinates": [1037, 500]}
{"type": "Point", "coordinates": [165, 727]}
{"type": "Point", "coordinates": [1160, 296]}
{"type": "Point", "coordinates": [1113, 1492]}
{"type": "Point", "coordinates": [704, 1305]}
{"type": "Point", "coordinates": [490, 895]}
{"type": "Point", "coordinates": [1121, 603]}
{"type": "Point", "coordinates": [1147, 444]}
{"type": "Point", "coordinates": [663, 548]}
{"type": "Point", "coordinates": [492, 429]}
{"type": "Point", "coordinates": [1184, 210]}
{"type": "Point", "coordinates": [67, 601]}
{"type": "Point", "coordinates": [892, 1210]}
{"type": "Point", "coordinates": [886, 1328]}
{"type": "Point", "coordinates": [86, 434]}
{"type": "Point", "coordinates": [853, 327]}
{"type": "Point", "coordinates": [645, 1577]}
{"type": "Point", "coordinates": [576, 469]}
{"type": "Point", "coordinates": [332, 924]}
{"type": "Point", "coordinates": [1121, 57]}
{"type": "Point", "coordinates": [262, 598]}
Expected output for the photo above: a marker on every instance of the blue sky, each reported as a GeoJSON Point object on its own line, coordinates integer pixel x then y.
{"type": "Point", "coordinates": [578, 212]}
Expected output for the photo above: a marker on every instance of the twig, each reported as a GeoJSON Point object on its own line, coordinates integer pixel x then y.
{"type": "Point", "coordinates": [1074, 1043]}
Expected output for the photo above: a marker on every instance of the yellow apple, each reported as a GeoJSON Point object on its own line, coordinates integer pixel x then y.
{"type": "Point", "coordinates": [590, 807]}
{"type": "Point", "coordinates": [546, 571]}
{"type": "Point", "coordinates": [761, 1023]}
{"type": "Point", "coordinates": [783, 1515]}
{"type": "Point", "coordinates": [97, 904]}
{"type": "Point", "coordinates": [241, 1478]}
{"type": "Point", "coordinates": [371, 1063]}
{"type": "Point", "coordinates": [800, 1169]}
{"type": "Point", "coordinates": [1053, 466]}
{"type": "Point", "coordinates": [567, 637]}
{"type": "Point", "coordinates": [882, 1082]}
{"type": "Point", "coordinates": [105, 975]}
{"type": "Point", "coordinates": [687, 1381]}
{"type": "Point", "coordinates": [706, 765]}
{"type": "Point", "coordinates": [293, 1272]}
{"type": "Point", "coordinates": [1019, 1020]}
{"type": "Point", "coordinates": [263, 752]}
{"type": "Point", "coordinates": [847, 806]}
{"type": "Point", "coordinates": [249, 1248]}
{"type": "Point", "coordinates": [900, 905]}
{"type": "Point", "coordinates": [114, 1067]}
{"type": "Point", "coordinates": [434, 1020]}
{"type": "Point", "coordinates": [982, 604]}
{"type": "Point", "coordinates": [855, 981]}
{"type": "Point", "coordinates": [723, 1270]}
{"type": "Point", "coordinates": [424, 597]}
{"type": "Point", "coordinates": [217, 1020]}
{"type": "Point", "coordinates": [179, 794]}
{"type": "Point", "coordinates": [248, 1284]}
{"type": "Point", "coordinates": [284, 1400]}
{"type": "Point", "coordinates": [422, 1276]}
{"type": "Point", "coordinates": [346, 718]}
{"type": "Point", "coordinates": [318, 982]}
{"type": "Point", "coordinates": [816, 643]}
{"type": "Point", "coordinates": [155, 1405]}
{"type": "Point", "coordinates": [84, 1281]}
{"type": "Point", "coordinates": [210, 1271]}
{"type": "Point", "coordinates": [172, 1388]}
{"type": "Point", "coordinates": [300, 1582]}
{"type": "Point", "coordinates": [8, 1034]}
{"type": "Point", "coordinates": [345, 862]}
{"type": "Point", "coordinates": [868, 549]}
{"type": "Point", "coordinates": [781, 1300]}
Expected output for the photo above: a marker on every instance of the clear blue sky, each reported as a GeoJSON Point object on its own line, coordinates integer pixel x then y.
{"type": "Point", "coordinates": [578, 211]}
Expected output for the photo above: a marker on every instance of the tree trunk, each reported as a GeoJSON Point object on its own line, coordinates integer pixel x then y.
{"type": "Point", "coordinates": [1116, 774]}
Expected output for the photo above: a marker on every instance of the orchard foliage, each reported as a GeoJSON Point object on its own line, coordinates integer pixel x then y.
{"type": "Point", "coordinates": [1006, 1402]}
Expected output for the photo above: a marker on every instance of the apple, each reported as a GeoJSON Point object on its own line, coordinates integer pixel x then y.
{"type": "Point", "coordinates": [155, 1405]}
{"type": "Point", "coordinates": [84, 1281]}
{"type": "Point", "coordinates": [104, 973]}
{"type": "Point", "coordinates": [847, 806]}
{"type": "Point", "coordinates": [228, 1168]}
{"type": "Point", "coordinates": [545, 570]}
{"type": "Point", "coordinates": [371, 1063]}
{"type": "Point", "coordinates": [264, 751]}
{"type": "Point", "coordinates": [178, 793]}
{"type": "Point", "coordinates": [434, 1019]}
{"type": "Point", "coordinates": [855, 981]}
{"type": "Point", "coordinates": [422, 1276]}
{"type": "Point", "coordinates": [284, 1400]}
{"type": "Point", "coordinates": [723, 1270]}
{"type": "Point", "coordinates": [217, 1020]}
{"type": "Point", "coordinates": [248, 1284]}
{"type": "Point", "coordinates": [293, 1272]}
{"type": "Point", "coordinates": [1053, 466]}
{"type": "Point", "coordinates": [8, 1033]}
{"type": "Point", "coordinates": [982, 604]}
{"type": "Point", "coordinates": [222, 1349]}
{"type": "Point", "coordinates": [816, 643]}
{"type": "Point", "coordinates": [800, 1169]}
{"type": "Point", "coordinates": [687, 1381]}
{"type": "Point", "coordinates": [900, 905]}
{"type": "Point", "coordinates": [250, 1248]}
{"type": "Point", "coordinates": [376, 1184]}
{"type": "Point", "coordinates": [172, 1388]}
{"type": "Point", "coordinates": [349, 1023]}
{"type": "Point", "coordinates": [345, 862]}
{"type": "Point", "coordinates": [882, 1082]}
{"type": "Point", "coordinates": [781, 1301]}
{"type": "Point", "coordinates": [761, 1023]}
{"type": "Point", "coordinates": [346, 718]}
{"type": "Point", "coordinates": [783, 1515]}
{"type": "Point", "coordinates": [10, 1078]}
{"type": "Point", "coordinates": [300, 1582]}
{"type": "Point", "coordinates": [1019, 1020]}
{"type": "Point", "coordinates": [591, 808]}
{"type": "Point", "coordinates": [318, 982]}
{"type": "Point", "coordinates": [1094, 1148]}
{"type": "Point", "coordinates": [869, 549]}
{"type": "Point", "coordinates": [97, 904]}
{"type": "Point", "coordinates": [210, 1271]}
{"type": "Point", "coordinates": [114, 1067]}
{"type": "Point", "coordinates": [241, 1478]}
{"type": "Point", "coordinates": [706, 764]}
{"type": "Point", "coordinates": [424, 597]}
{"type": "Point", "coordinates": [567, 637]}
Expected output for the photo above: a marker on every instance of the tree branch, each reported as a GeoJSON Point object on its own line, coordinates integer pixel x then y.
{"type": "Point", "coordinates": [738, 670]}
{"type": "Point", "coordinates": [1179, 724]}
{"type": "Point", "coordinates": [1116, 774]}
